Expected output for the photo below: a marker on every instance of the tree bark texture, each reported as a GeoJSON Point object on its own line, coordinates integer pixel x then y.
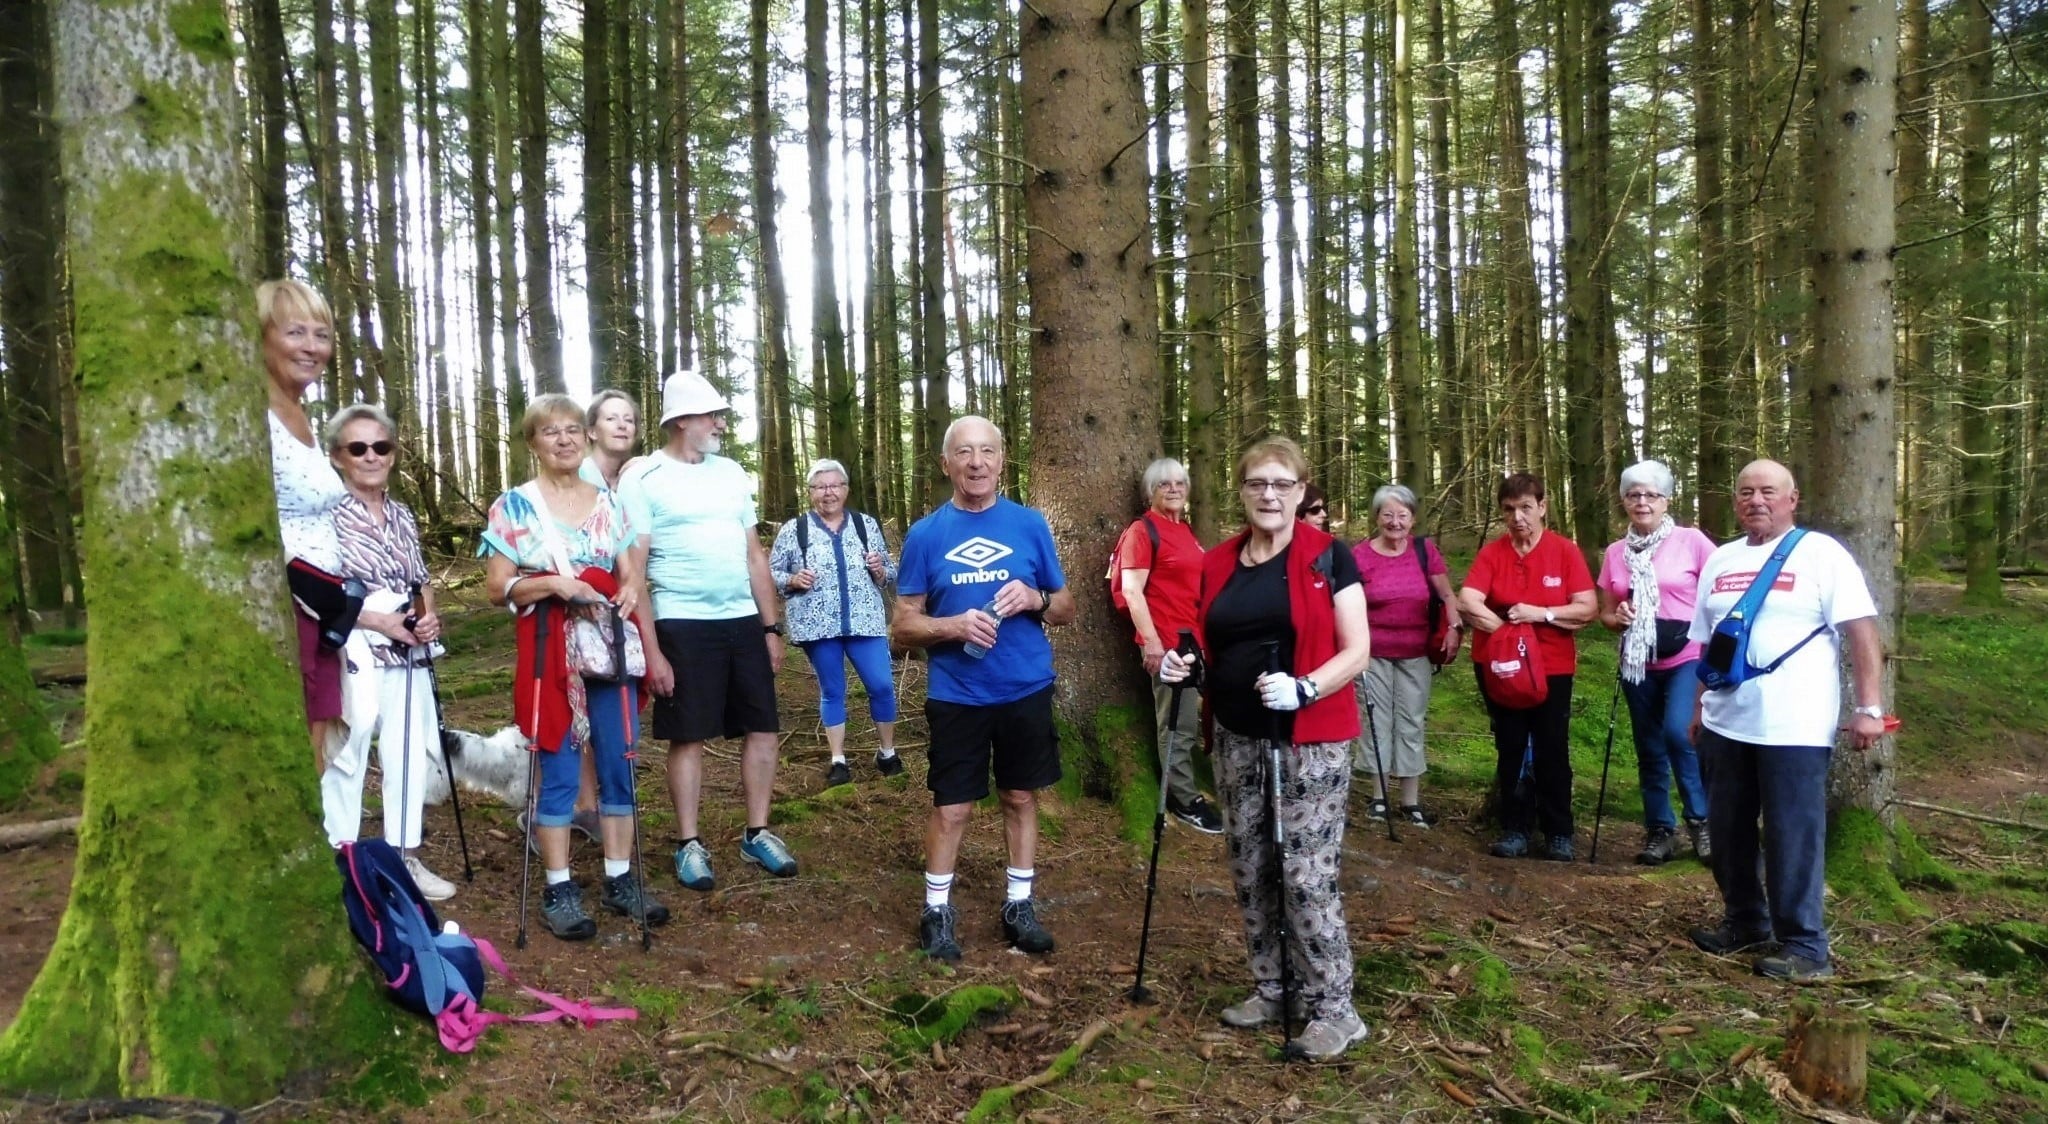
{"type": "Point", "coordinates": [1714, 461]}
{"type": "Point", "coordinates": [26, 738]}
{"type": "Point", "coordinates": [544, 326]}
{"type": "Point", "coordinates": [778, 452]}
{"type": "Point", "coordinates": [1208, 426]}
{"type": "Point", "coordinates": [161, 982]}
{"type": "Point", "coordinates": [1981, 447]}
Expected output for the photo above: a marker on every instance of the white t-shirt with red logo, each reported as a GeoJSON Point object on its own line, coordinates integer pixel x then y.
{"type": "Point", "coordinates": [1801, 702]}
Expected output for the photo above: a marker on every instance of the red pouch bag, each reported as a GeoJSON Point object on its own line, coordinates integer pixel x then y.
{"type": "Point", "coordinates": [1511, 667]}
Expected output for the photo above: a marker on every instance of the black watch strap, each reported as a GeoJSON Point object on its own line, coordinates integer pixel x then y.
{"type": "Point", "coordinates": [775, 628]}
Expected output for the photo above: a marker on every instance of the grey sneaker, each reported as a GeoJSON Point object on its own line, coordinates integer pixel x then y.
{"type": "Point", "coordinates": [1324, 1039]}
{"type": "Point", "coordinates": [1513, 845]}
{"type": "Point", "coordinates": [624, 894]}
{"type": "Point", "coordinates": [935, 932]}
{"type": "Point", "coordinates": [1022, 930]}
{"type": "Point", "coordinates": [1257, 1010]}
{"type": "Point", "coordinates": [561, 906]}
{"type": "Point", "coordinates": [767, 851]}
{"type": "Point", "coordinates": [1702, 843]}
{"type": "Point", "coordinates": [1660, 846]}
{"type": "Point", "coordinates": [1794, 967]}
{"type": "Point", "coordinates": [693, 866]}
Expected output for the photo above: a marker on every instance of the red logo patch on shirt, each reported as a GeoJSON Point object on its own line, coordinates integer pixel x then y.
{"type": "Point", "coordinates": [1740, 583]}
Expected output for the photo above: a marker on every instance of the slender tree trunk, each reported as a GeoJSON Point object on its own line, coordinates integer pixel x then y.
{"type": "Point", "coordinates": [1715, 459]}
{"type": "Point", "coordinates": [1287, 405]}
{"type": "Point", "coordinates": [150, 989]}
{"type": "Point", "coordinates": [1919, 283]}
{"type": "Point", "coordinates": [505, 158]}
{"type": "Point", "coordinates": [387, 127]}
{"type": "Point", "coordinates": [1411, 398]}
{"type": "Point", "coordinates": [1173, 414]}
{"type": "Point", "coordinates": [936, 371]}
{"type": "Point", "coordinates": [448, 480]}
{"type": "Point", "coordinates": [886, 375]}
{"type": "Point", "coordinates": [1208, 426]}
{"type": "Point", "coordinates": [26, 737]}
{"type": "Point", "coordinates": [778, 462]}
{"type": "Point", "coordinates": [490, 423]}
{"type": "Point", "coordinates": [544, 327]}
{"type": "Point", "coordinates": [1447, 435]}
{"type": "Point", "coordinates": [1249, 354]}
{"type": "Point", "coordinates": [836, 436]}
{"type": "Point", "coordinates": [1522, 358]}
{"type": "Point", "coordinates": [1580, 57]}
{"type": "Point", "coordinates": [1094, 349]}
{"type": "Point", "coordinates": [1850, 492]}
{"type": "Point", "coordinates": [266, 77]}
{"type": "Point", "coordinates": [600, 248]}
{"type": "Point", "coordinates": [2034, 355]}
{"type": "Point", "coordinates": [1979, 390]}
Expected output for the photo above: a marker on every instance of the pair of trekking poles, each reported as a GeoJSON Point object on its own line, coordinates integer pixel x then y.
{"type": "Point", "coordinates": [541, 611]}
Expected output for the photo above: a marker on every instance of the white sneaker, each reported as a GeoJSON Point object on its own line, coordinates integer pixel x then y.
{"type": "Point", "coordinates": [432, 886]}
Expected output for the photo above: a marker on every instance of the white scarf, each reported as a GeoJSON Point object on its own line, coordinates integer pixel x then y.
{"type": "Point", "coordinates": [1641, 638]}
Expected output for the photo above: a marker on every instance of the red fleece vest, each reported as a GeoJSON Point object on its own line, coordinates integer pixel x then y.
{"type": "Point", "coordinates": [1333, 717]}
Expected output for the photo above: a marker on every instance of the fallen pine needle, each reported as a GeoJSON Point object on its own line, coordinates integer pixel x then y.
{"type": "Point", "coordinates": [1452, 1091]}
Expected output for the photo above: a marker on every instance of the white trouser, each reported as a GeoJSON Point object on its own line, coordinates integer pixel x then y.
{"type": "Point", "coordinates": [405, 752]}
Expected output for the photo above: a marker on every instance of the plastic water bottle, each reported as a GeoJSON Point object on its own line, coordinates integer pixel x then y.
{"type": "Point", "coordinates": [450, 928]}
{"type": "Point", "coordinates": [976, 651]}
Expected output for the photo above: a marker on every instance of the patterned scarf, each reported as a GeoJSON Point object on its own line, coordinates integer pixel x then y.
{"type": "Point", "coordinates": [1641, 638]}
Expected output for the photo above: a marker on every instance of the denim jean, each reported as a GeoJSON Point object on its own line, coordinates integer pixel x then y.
{"type": "Point", "coordinates": [1660, 712]}
{"type": "Point", "coordinates": [1775, 887]}
{"type": "Point", "coordinates": [614, 711]}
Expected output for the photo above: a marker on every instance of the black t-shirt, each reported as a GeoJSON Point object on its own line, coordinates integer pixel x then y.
{"type": "Point", "coordinates": [1249, 616]}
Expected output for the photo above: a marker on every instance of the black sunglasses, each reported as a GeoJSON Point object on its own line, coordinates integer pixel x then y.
{"type": "Point", "coordinates": [1316, 510]}
{"type": "Point", "coordinates": [358, 448]}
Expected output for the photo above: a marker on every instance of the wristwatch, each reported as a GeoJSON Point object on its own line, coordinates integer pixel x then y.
{"type": "Point", "coordinates": [1306, 688]}
{"type": "Point", "coordinates": [775, 628]}
{"type": "Point", "coordinates": [1549, 616]}
{"type": "Point", "coordinates": [1876, 712]}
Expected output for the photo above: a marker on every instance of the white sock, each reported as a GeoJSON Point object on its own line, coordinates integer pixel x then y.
{"type": "Point", "coordinates": [839, 759]}
{"type": "Point", "coordinates": [615, 867]}
{"type": "Point", "coordinates": [1020, 884]}
{"type": "Point", "coordinates": [886, 752]}
{"type": "Point", "coordinates": [938, 889]}
{"type": "Point", "coordinates": [558, 876]}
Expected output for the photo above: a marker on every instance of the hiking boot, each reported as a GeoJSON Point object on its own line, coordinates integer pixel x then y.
{"type": "Point", "coordinates": [432, 886]}
{"type": "Point", "coordinates": [1702, 843]}
{"type": "Point", "coordinates": [838, 775]}
{"type": "Point", "coordinates": [935, 936]}
{"type": "Point", "coordinates": [890, 766]}
{"type": "Point", "coordinates": [767, 851]}
{"type": "Point", "coordinates": [693, 866]}
{"type": "Point", "coordinates": [1793, 967]}
{"type": "Point", "coordinates": [1198, 814]}
{"type": "Point", "coordinates": [1558, 849]}
{"type": "Point", "coordinates": [561, 906]}
{"type": "Point", "coordinates": [1660, 846]}
{"type": "Point", "coordinates": [624, 894]}
{"type": "Point", "coordinates": [1414, 816]}
{"type": "Point", "coordinates": [1257, 1010]}
{"type": "Point", "coordinates": [1323, 1039]}
{"type": "Point", "coordinates": [1377, 810]}
{"type": "Point", "coordinates": [1513, 845]}
{"type": "Point", "coordinates": [1726, 940]}
{"type": "Point", "coordinates": [1022, 930]}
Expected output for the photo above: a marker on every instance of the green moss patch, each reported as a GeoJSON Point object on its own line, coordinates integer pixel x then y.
{"type": "Point", "coordinates": [1997, 948]}
{"type": "Point", "coordinates": [1859, 864]}
{"type": "Point", "coordinates": [942, 1018]}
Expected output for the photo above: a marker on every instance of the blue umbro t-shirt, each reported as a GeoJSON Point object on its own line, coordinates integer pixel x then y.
{"type": "Point", "coordinates": [958, 560]}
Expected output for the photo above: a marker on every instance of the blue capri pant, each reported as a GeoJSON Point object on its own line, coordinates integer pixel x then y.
{"type": "Point", "coordinates": [614, 730]}
{"type": "Point", "coordinates": [870, 656]}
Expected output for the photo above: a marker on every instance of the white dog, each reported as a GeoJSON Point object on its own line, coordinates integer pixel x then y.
{"type": "Point", "coordinates": [496, 766]}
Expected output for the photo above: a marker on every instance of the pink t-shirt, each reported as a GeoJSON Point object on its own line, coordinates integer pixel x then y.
{"type": "Point", "coordinates": [1677, 564]}
{"type": "Point", "coordinates": [1396, 599]}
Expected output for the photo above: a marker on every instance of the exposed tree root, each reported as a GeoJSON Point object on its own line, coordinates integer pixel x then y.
{"type": "Point", "coordinates": [995, 1100]}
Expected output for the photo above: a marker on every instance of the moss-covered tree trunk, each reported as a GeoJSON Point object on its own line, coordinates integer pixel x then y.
{"type": "Point", "coordinates": [203, 952]}
{"type": "Point", "coordinates": [26, 740]}
{"type": "Point", "coordinates": [1094, 351]}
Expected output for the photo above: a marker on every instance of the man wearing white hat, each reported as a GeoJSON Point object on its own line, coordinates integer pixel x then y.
{"type": "Point", "coordinates": [712, 672]}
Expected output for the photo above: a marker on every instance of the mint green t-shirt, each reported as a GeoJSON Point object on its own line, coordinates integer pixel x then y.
{"type": "Point", "coordinates": [694, 520]}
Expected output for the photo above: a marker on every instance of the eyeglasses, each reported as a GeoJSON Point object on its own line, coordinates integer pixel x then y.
{"type": "Point", "coordinates": [1316, 510]}
{"type": "Point", "coordinates": [1181, 484]}
{"type": "Point", "coordinates": [358, 448]}
{"type": "Point", "coordinates": [555, 431]}
{"type": "Point", "coordinates": [828, 487]}
{"type": "Point", "coordinates": [1276, 487]}
{"type": "Point", "coordinates": [1643, 497]}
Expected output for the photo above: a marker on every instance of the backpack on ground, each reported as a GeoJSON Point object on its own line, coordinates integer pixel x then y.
{"type": "Point", "coordinates": [1114, 576]}
{"type": "Point", "coordinates": [1726, 666]}
{"type": "Point", "coordinates": [428, 971]}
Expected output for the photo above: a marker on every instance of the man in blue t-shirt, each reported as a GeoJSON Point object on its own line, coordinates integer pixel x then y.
{"type": "Point", "coordinates": [978, 584]}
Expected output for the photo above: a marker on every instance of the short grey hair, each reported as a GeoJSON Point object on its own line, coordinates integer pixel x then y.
{"type": "Point", "coordinates": [361, 411]}
{"type": "Point", "coordinates": [604, 396]}
{"type": "Point", "coordinates": [946, 443]}
{"type": "Point", "coordinates": [1165, 470]}
{"type": "Point", "coordinates": [1394, 493]}
{"type": "Point", "coordinates": [1654, 474]}
{"type": "Point", "coordinates": [822, 466]}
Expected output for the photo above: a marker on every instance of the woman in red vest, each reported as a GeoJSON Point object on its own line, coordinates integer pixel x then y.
{"type": "Point", "coordinates": [1282, 622]}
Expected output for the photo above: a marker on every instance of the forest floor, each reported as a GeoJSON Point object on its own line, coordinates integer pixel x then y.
{"type": "Point", "coordinates": [1532, 990]}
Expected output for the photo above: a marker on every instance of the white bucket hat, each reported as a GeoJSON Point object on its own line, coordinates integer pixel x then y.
{"type": "Point", "coordinates": [687, 392]}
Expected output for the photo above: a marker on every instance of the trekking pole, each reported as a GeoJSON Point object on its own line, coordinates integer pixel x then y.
{"type": "Point", "coordinates": [1186, 647]}
{"type": "Point", "coordinates": [632, 747]}
{"type": "Point", "coordinates": [1600, 808]}
{"type": "Point", "coordinates": [447, 765]}
{"type": "Point", "coordinates": [540, 659]}
{"type": "Point", "coordinates": [1372, 730]}
{"type": "Point", "coordinates": [404, 751]}
{"type": "Point", "coordinates": [1274, 733]}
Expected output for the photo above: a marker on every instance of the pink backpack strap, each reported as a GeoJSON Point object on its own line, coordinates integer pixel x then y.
{"type": "Point", "coordinates": [582, 1010]}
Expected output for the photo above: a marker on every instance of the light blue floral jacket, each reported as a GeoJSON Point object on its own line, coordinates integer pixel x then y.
{"type": "Point", "coordinates": [844, 601]}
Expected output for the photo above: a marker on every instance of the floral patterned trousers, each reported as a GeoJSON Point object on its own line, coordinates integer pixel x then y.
{"type": "Point", "coordinates": [1315, 779]}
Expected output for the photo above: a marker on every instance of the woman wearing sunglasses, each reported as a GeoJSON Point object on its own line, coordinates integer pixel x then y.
{"type": "Point", "coordinates": [387, 693]}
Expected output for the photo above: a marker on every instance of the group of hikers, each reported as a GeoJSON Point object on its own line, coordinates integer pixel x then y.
{"type": "Point", "coordinates": [644, 573]}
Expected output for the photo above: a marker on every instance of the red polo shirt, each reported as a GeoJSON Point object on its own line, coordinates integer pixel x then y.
{"type": "Point", "coordinates": [1176, 573]}
{"type": "Point", "coordinates": [1547, 576]}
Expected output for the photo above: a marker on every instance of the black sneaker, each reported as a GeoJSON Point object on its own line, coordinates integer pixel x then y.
{"type": "Point", "coordinates": [1793, 967]}
{"type": "Point", "coordinates": [1414, 816]}
{"type": "Point", "coordinates": [838, 775]}
{"type": "Point", "coordinates": [623, 894]}
{"type": "Point", "coordinates": [935, 933]}
{"type": "Point", "coordinates": [1198, 814]}
{"type": "Point", "coordinates": [1377, 810]}
{"type": "Point", "coordinates": [890, 766]}
{"type": "Point", "coordinates": [1022, 930]}
{"type": "Point", "coordinates": [561, 906]}
{"type": "Point", "coordinates": [1726, 940]}
{"type": "Point", "coordinates": [1660, 846]}
{"type": "Point", "coordinates": [1558, 849]}
{"type": "Point", "coordinates": [1513, 845]}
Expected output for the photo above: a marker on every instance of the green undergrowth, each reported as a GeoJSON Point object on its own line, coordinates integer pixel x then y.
{"type": "Point", "coordinates": [814, 1099]}
{"type": "Point", "coordinates": [926, 1019]}
{"type": "Point", "coordinates": [1972, 677]}
{"type": "Point", "coordinates": [2006, 949]}
{"type": "Point", "coordinates": [1860, 867]}
{"type": "Point", "coordinates": [394, 1074]}
{"type": "Point", "coordinates": [54, 638]}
